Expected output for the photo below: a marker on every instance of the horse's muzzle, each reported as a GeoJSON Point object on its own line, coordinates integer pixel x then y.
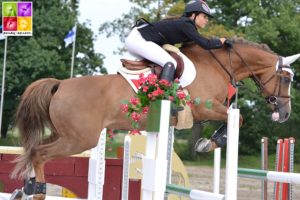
{"type": "Point", "coordinates": [280, 116]}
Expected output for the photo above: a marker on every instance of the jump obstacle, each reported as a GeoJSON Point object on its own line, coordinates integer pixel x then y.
{"type": "Point", "coordinates": [283, 178]}
{"type": "Point", "coordinates": [156, 181]}
{"type": "Point", "coordinates": [157, 138]}
{"type": "Point", "coordinates": [91, 170]}
{"type": "Point", "coordinates": [81, 175]}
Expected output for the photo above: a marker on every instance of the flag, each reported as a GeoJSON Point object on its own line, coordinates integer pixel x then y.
{"type": "Point", "coordinates": [231, 93]}
{"type": "Point", "coordinates": [2, 37]}
{"type": "Point", "coordinates": [70, 37]}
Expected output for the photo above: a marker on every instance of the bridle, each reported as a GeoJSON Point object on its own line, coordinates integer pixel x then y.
{"type": "Point", "coordinates": [271, 98]}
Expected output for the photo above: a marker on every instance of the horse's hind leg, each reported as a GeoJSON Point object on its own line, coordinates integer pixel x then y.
{"type": "Point", "coordinates": [62, 147]}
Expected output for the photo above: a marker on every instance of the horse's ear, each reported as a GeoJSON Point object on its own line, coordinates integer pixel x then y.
{"type": "Point", "coordinates": [286, 61]}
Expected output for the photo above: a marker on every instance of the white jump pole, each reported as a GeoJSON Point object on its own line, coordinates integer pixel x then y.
{"type": "Point", "coordinates": [217, 169]}
{"type": "Point", "coordinates": [126, 168]}
{"type": "Point", "coordinates": [155, 160]}
{"type": "Point", "coordinates": [232, 154]}
{"type": "Point", "coordinates": [97, 169]}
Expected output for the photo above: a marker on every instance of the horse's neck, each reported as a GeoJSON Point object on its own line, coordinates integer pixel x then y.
{"type": "Point", "coordinates": [251, 60]}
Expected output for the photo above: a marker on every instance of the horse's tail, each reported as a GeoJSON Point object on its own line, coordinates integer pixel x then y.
{"type": "Point", "coordinates": [31, 119]}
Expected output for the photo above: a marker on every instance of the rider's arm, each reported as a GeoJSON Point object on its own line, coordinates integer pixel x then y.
{"type": "Point", "coordinates": [191, 32]}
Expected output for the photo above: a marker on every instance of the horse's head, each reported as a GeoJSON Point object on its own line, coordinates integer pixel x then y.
{"type": "Point", "coordinates": [280, 98]}
{"type": "Point", "coordinates": [273, 75]}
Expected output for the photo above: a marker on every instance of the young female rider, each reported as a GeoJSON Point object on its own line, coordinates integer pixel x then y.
{"type": "Point", "coordinates": [146, 40]}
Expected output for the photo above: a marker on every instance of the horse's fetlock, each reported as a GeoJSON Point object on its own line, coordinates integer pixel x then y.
{"type": "Point", "coordinates": [40, 188]}
{"type": "Point", "coordinates": [29, 185]}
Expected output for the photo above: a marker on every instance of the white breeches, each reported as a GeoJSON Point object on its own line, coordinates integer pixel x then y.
{"type": "Point", "coordinates": [141, 48]}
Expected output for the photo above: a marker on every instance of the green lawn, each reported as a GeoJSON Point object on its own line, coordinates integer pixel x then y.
{"type": "Point", "coordinates": [244, 161]}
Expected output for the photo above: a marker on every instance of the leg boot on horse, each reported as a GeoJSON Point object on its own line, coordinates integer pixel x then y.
{"type": "Point", "coordinates": [218, 139]}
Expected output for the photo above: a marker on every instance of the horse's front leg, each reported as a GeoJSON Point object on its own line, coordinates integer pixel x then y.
{"type": "Point", "coordinates": [218, 112]}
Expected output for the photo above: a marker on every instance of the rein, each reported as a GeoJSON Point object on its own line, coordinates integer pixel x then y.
{"type": "Point", "coordinates": [272, 97]}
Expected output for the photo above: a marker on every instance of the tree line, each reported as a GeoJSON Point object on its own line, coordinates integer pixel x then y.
{"type": "Point", "coordinates": [44, 54]}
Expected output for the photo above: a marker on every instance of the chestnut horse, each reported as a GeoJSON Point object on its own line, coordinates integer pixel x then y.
{"type": "Point", "coordinates": [77, 109]}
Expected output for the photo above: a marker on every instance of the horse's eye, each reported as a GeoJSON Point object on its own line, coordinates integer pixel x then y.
{"type": "Point", "coordinates": [286, 80]}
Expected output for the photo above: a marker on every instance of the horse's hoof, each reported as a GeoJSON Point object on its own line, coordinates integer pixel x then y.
{"type": "Point", "coordinates": [203, 145]}
{"type": "Point", "coordinates": [16, 195]}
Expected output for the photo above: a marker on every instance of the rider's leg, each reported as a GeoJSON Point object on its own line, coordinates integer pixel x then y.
{"type": "Point", "coordinates": [137, 45]}
{"type": "Point", "coordinates": [189, 72]}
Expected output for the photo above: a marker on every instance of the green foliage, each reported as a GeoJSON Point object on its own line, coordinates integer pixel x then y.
{"type": "Point", "coordinates": [44, 55]}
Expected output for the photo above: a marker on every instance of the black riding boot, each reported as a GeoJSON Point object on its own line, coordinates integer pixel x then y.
{"type": "Point", "coordinates": [168, 72]}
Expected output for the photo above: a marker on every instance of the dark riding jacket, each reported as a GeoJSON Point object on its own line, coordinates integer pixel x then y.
{"type": "Point", "coordinates": [174, 31]}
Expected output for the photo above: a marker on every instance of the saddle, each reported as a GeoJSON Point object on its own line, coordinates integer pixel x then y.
{"type": "Point", "coordinates": [131, 69]}
{"type": "Point", "coordinates": [141, 65]}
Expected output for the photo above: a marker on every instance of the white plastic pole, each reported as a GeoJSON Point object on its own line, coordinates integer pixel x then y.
{"type": "Point", "coordinates": [217, 168]}
{"type": "Point", "coordinates": [126, 163]}
{"type": "Point", "coordinates": [155, 160]}
{"type": "Point", "coordinates": [97, 169]}
{"type": "Point", "coordinates": [232, 154]}
{"type": "Point", "coordinates": [73, 53]}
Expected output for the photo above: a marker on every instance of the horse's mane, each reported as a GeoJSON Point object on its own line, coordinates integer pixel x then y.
{"type": "Point", "coordinates": [242, 41]}
{"type": "Point", "coordinates": [263, 46]}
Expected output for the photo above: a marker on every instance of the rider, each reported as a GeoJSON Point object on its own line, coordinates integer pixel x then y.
{"type": "Point", "coordinates": [146, 39]}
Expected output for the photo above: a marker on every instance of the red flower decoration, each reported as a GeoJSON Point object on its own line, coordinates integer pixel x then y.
{"type": "Point", "coordinates": [181, 95]}
{"type": "Point", "coordinates": [135, 116]}
{"type": "Point", "coordinates": [135, 132]}
{"type": "Point", "coordinates": [152, 89]}
{"type": "Point", "coordinates": [134, 101]}
{"type": "Point", "coordinates": [124, 108]}
{"type": "Point", "coordinates": [145, 110]}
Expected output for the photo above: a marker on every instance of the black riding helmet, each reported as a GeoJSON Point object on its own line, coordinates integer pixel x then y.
{"type": "Point", "coordinates": [197, 6]}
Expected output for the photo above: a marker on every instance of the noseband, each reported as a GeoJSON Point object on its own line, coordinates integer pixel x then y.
{"type": "Point", "coordinates": [272, 98]}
